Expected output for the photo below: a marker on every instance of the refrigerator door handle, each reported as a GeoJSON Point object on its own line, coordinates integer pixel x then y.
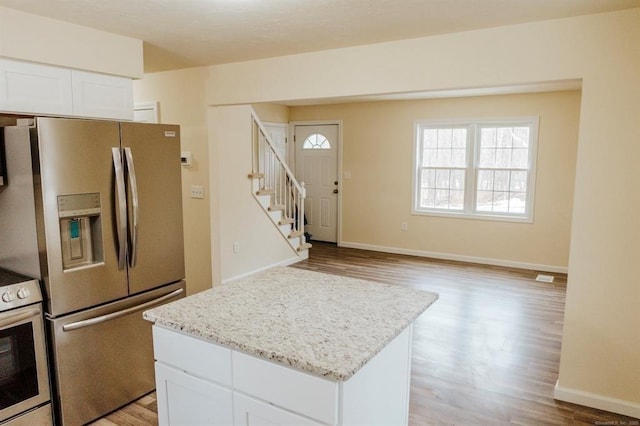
{"type": "Point", "coordinates": [118, 314]}
{"type": "Point", "coordinates": [134, 199]}
{"type": "Point", "coordinates": [121, 206]}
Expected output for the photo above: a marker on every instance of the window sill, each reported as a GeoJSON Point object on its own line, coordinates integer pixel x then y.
{"type": "Point", "coordinates": [474, 216]}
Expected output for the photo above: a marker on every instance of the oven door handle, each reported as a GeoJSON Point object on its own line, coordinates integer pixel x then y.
{"type": "Point", "coordinates": [16, 318]}
{"type": "Point", "coordinates": [108, 317]}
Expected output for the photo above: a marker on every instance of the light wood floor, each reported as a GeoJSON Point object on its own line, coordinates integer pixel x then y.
{"type": "Point", "coordinates": [486, 353]}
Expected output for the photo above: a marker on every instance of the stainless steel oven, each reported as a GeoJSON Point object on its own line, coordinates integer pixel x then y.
{"type": "Point", "coordinates": [24, 379]}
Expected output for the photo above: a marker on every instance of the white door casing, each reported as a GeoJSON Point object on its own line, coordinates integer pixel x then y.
{"type": "Point", "coordinates": [316, 164]}
{"type": "Point", "coordinates": [278, 134]}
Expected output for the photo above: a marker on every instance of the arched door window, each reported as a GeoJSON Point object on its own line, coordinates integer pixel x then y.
{"type": "Point", "coordinates": [316, 141]}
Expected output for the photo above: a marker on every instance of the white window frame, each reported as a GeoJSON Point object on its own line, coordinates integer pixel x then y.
{"type": "Point", "coordinates": [473, 126]}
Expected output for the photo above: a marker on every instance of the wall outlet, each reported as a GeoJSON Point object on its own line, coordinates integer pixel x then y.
{"type": "Point", "coordinates": [197, 191]}
{"type": "Point", "coordinates": [404, 226]}
{"type": "Point", "coordinates": [236, 247]}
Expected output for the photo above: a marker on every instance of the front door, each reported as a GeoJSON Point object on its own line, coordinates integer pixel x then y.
{"type": "Point", "coordinates": [317, 166]}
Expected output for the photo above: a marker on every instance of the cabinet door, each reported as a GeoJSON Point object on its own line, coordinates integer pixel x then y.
{"type": "Point", "coordinates": [102, 96]}
{"type": "Point", "coordinates": [186, 400]}
{"type": "Point", "coordinates": [251, 412]}
{"type": "Point", "coordinates": [34, 89]}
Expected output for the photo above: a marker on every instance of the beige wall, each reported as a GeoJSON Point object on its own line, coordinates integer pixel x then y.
{"type": "Point", "coordinates": [272, 112]}
{"type": "Point", "coordinates": [377, 150]}
{"type": "Point", "coordinates": [238, 216]}
{"type": "Point", "coordinates": [599, 364]}
{"type": "Point", "coordinates": [34, 38]}
{"type": "Point", "coordinates": [181, 101]}
{"type": "Point", "coordinates": [220, 141]}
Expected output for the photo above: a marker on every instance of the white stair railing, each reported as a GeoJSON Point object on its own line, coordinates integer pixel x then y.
{"type": "Point", "coordinates": [277, 180]}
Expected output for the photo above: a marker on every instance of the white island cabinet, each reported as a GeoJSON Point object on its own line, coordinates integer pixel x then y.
{"type": "Point", "coordinates": [202, 383]}
{"type": "Point", "coordinates": [287, 347]}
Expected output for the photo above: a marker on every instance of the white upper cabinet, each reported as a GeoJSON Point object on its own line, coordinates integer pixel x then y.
{"type": "Point", "coordinates": [34, 88]}
{"type": "Point", "coordinates": [29, 88]}
{"type": "Point", "coordinates": [102, 96]}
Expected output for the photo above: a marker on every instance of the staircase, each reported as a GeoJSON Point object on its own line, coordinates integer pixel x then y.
{"type": "Point", "coordinates": [276, 189]}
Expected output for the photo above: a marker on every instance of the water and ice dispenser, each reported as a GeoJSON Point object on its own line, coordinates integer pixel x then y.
{"type": "Point", "coordinates": [80, 230]}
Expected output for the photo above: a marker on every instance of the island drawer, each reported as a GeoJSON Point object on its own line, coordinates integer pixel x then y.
{"type": "Point", "coordinates": [291, 389]}
{"type": "Point", "coordinates": [248, 412]}
{"type": "Point", "coordinates": [197, 357]}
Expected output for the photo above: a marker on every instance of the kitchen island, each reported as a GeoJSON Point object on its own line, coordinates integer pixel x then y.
{"type": "Point", "coordinates": [287, 346]}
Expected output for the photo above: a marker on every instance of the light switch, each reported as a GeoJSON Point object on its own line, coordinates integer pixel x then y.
{"type": "Point", "coordinates": [197, 191]}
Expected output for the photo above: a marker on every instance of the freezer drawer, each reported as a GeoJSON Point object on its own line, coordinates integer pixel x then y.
{"type": "Point", "coordinates": [104, 356]}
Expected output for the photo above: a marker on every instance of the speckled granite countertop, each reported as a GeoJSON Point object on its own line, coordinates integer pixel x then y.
{"type": "Point", "coordinates": [323, 324]}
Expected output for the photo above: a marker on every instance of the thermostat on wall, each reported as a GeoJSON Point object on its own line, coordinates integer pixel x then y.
{"type": "Point", "coordinates": [186, 158]}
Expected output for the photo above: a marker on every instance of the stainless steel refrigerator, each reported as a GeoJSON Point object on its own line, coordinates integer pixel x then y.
{"type": "Point", "coordinates": [96, 213]}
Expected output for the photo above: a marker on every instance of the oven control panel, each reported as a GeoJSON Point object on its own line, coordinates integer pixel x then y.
{"type": "Point", "coordinates": [17, 290]}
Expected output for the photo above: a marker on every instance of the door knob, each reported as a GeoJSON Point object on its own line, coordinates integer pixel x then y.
{"type": "Point", "coordinates": [335, 183]}
{"type": "Point", "coordinates": [335, 191]}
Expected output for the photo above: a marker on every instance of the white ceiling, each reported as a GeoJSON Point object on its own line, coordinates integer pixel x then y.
{"type": "Point", "coordinates": [186, 33]}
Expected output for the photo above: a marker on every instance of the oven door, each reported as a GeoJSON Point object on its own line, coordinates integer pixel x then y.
{"type": "Point", "coordinates": [24, 381]}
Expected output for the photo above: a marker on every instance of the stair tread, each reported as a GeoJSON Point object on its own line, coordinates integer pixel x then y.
{"type": "Point", "coordinates": [286, 221]}
{"type": "Point", "coordinates": [304, 246]}
{"type": "Point", "coordinates": [295, 234]}
{"type": "Point", "coordinates": [264, 192]}
{"type": "Point", "coordinates": [276, 207]}
{"type": "Point", "coordinates": [256, 175]}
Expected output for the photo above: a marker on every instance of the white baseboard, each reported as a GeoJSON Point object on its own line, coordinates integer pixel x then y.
{"type": "Point", "coordinates": [285, 262]}
{"type": "Point", "coordinates": [457, 257]}
{"type": "Point", "coordinates": [601, 402]}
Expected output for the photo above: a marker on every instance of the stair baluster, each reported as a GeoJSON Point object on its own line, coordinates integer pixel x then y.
{"type": "Point", "coordinates": [276, 180]}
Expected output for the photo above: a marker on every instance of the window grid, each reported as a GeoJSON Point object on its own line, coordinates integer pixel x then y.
{"type": "Point", "coordinates": [442, 188]}
{"type": "Point", "coordinates": [502, 170]}
{"type": "Point", "coordinates": [506, 196]}
{"type": "Point", "coordinates": [443, 168]}
{"type": "Point", "coordinates": [316, 141]}
{"type": "Point", "coordinates": [476, 168]}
